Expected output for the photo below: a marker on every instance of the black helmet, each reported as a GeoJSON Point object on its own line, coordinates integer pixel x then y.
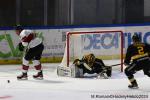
{"type": "Point", "coordinates": [18, 27]}
{"type": "Point", "coordinates": [136, 38]}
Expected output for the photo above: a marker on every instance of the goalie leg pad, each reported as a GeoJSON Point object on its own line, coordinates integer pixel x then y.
{"type": "Point", "coordinates": [63, 71]}
{"type": "Point", "coordinates": [76, 71]}
{"type": "Point", "coordinates": [72, 71]}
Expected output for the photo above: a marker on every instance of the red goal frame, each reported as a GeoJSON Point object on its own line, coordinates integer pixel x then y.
{"type": "Point", "coordinates": [95, 32]}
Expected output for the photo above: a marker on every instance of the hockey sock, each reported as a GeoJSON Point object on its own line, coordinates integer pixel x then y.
{"type": "Point", "coordinates": [38, 67]}
{"type": "Point", "coordinates": [25, 68]}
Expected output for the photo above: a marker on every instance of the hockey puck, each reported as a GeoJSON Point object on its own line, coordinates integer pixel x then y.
{"type": "Point", "coordinates": [8, 81]}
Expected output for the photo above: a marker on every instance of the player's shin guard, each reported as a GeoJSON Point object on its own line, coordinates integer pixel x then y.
{"type": "Point", "coordinates": [39, 75]}
{"type": "Point", "coordinates": [24, 75]}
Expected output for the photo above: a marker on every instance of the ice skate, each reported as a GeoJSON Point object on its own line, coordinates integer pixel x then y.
{"type": "Point", "coordinates": [38, 76]}
{"type": "Point", "coordinates": [133, 85]}
{"type": "Point", "coordinates": [23, 76]}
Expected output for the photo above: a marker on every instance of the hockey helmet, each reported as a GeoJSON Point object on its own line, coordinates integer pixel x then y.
{"type": "Point", "coordinates": [136, 38]}
{"type": "Point", "coordinates": [18, 27]}
{"type": "Point", "coordinates": [91, 58]}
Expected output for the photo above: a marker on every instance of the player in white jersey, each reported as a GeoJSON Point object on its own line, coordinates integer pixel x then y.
{"type": "Point", "coordinates": [34, 48]}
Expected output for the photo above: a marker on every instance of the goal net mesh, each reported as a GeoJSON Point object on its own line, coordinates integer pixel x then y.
{"type": "Point", "coordinates": [106, 45]}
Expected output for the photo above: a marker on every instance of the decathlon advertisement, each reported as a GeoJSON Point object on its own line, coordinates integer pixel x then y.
{"type": "Point", "coordinates": [54, 41]}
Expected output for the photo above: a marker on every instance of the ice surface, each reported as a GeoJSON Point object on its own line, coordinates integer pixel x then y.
{"type": "Point", "coordinates": [66, 88]}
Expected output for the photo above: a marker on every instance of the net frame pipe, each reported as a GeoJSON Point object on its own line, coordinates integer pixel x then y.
{"type": "Point", "coordinates": [95, 32]}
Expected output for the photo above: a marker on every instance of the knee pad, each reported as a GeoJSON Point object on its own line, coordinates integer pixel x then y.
{"type": "Point", "coordinates": [25, 62]}
{"type": "Point", "coordinates": [35, 62]}
{"type": "Point", "coordinates": [128, 72]}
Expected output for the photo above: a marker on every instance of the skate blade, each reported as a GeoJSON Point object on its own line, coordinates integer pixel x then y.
{"type": "Point", "coordinates": [39, 78]}
{"type": "Point", "coordinates": [22, 79]}
{"type": "Point", "coordinates": [133, 87]}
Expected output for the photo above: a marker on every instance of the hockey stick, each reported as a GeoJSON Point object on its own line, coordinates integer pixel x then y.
{"type": "Point", "coordinates": [110, 66]}
{"type": "Point", "coordinates": [115, 65]}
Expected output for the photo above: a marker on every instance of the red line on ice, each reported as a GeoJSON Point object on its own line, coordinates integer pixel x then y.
{"type": "Point", "coordinates": [5, 97]}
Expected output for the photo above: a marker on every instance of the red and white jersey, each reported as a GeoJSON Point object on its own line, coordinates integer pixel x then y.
{"type": "Point", "coordinates": [28, 38]}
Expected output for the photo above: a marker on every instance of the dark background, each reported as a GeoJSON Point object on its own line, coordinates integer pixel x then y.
{"type": "Point", "coordinates": [73, 12]}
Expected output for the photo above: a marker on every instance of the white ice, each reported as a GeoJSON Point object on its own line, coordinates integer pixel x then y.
{"type": "Point", "coordinates": [66, 88]}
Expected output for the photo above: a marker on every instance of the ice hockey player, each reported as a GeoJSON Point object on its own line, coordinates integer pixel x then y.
{"type": "Point", "coordinates": [32, 47]}
{"type": "Point", "coordinates": [137, 58]}
{"type": "Point", "coordinates": [90, 64]}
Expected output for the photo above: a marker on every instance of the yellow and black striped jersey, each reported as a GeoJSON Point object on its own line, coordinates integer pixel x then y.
{"type": "Point", "coordinates": [136, 51]}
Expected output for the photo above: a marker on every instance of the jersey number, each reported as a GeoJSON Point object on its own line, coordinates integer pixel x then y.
{"type": "Point", "coordinates": [140, 50]}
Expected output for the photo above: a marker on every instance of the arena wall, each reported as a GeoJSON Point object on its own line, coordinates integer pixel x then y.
{"type": "Point", "coordinates": [54, 41]}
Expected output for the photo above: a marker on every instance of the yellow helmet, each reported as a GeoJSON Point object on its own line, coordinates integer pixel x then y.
{"type": "Point", "coordinates": [89, 59]}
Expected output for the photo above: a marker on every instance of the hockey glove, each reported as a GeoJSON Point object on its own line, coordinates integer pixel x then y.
{"type": "Point", "coordinates": [107, 70]}
{"type": "Point", "coordinates": [21, 47]}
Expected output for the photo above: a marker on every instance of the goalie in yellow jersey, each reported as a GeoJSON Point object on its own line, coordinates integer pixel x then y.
{"type": "Point", "coordinates": [90, 64]}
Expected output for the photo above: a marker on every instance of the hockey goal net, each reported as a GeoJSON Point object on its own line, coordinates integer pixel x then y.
{"type": "Point", "coordinates": [106, 45]}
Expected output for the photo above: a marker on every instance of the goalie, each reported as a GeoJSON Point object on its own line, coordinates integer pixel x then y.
{"type": "Point", "coordinates": [89, 64]}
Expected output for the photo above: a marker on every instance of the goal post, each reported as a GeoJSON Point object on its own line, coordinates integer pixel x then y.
{"type": "Point", "coordinates": [106, 45]}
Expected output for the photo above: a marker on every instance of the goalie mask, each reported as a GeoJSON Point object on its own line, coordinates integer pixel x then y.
{"type": "Point", "coordinates": [89, 59]}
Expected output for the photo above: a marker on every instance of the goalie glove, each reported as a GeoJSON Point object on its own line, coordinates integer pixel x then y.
{"type": "Point", "coordinates": [76, 62]}
{"type": "Point", "coordinates": [107, 70]}
{"type": "Point", "coordinates": [21, 47]}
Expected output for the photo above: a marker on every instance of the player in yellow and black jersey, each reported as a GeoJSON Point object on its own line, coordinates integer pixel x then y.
{"type": "Point", "coordinates": [137, 58]}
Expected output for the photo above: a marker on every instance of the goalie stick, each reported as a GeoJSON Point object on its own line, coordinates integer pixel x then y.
{"type": "Point", "coordinates": [115, 65]}
{"type": "Point", "coordinates": [110, 66]}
